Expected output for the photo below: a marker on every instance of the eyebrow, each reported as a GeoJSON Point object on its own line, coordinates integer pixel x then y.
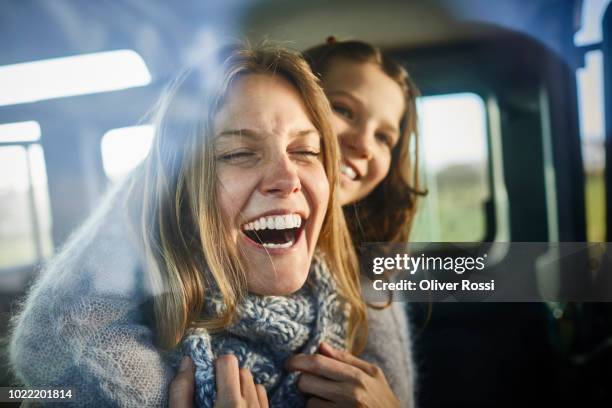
{"type": "Point", "coordinates": [346, 94]}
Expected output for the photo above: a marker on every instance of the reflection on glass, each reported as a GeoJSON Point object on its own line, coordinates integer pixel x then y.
{"type": "Point", "coordinates": [77, 75]}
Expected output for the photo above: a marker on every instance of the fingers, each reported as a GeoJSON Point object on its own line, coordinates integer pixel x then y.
{"type": "Point", "coordinates": [182, 386]}
{"type": "Point", "coordinates": [228, 378]}
{"type": "Point", "coordinates": [249, 393]}
{"type": "Point", "coordinates": [320, 387]}
{"type": "Point", "coordinates": [319, 403]}
{"type": "Point", "coordinates": [262, 396]}
{"type": "Point", "coordinates": [348, 358]}
{"type": "Point", "coordinates": [324, 366]}
{"type": "Point", "coordinates": [236, 387]}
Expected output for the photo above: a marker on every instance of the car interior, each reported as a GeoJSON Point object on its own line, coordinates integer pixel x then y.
{"type": "Point", "coordinates": [509, 154]}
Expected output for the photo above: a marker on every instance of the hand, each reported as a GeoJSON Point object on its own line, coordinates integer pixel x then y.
{"type": "Point", "coordinates": [337, 378]}
{"type": "Point", "coordinates": [235, 387]}
{"type": "Point", "coordinates": [182, 386]}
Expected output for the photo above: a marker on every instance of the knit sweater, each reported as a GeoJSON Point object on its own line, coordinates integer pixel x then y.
{"type": "Point", "coordinates": [84, 326]}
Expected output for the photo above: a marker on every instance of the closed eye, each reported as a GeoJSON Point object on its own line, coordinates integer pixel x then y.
{"type": "Point", "coordinates": [306, 155]}
{"type": "Point", "coordinates": [234, 156]}
{"type": "Point", "coordinates": [308, 152]}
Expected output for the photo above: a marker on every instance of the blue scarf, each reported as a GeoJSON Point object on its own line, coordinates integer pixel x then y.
{"type": "Point", "coordinates": [268, 330]}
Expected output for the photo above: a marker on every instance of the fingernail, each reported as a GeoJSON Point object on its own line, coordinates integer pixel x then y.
{"type": "Point", "coordinates": [326, 348]}
{"type": "Point", "coordinates": [185, 364]}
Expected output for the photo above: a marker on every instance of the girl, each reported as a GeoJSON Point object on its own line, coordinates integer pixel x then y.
{"type": "Point", "coordinates": [215, 236]}
{"type": "Point", "coordinates": [375, 118]}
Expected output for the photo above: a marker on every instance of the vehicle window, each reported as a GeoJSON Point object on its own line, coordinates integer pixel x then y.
{"type": "Point", "coordinates": [589, 81]}
{"type": "Point", "coordinates": [454, 163]}
{"type": "Point", "coordinates": [25, 217]}
{"type": "Point", "coordinates": [125, 148]}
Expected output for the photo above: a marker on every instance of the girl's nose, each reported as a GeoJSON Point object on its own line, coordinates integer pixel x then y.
{"type": "Point", "coordinates": [281, 178]}
{"type": "Point", "coordinates": [360, 141]}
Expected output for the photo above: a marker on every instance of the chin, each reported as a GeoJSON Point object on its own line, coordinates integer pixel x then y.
{"type": "Point", "coordinates": [283, 283]}
{"type": "Point", "coordinates": [346, 198]}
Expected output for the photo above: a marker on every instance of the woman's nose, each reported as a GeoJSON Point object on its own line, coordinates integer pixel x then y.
{"type": "Point", "coordinates": [281, 177]}
{"type": "Point", "coordinates": [360, 141]}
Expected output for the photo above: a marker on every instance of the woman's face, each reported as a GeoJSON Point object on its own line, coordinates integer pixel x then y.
{"type": "Point", "coordinates": [272, 188]}
{"type": "Point", "coordinates": [368, 107]}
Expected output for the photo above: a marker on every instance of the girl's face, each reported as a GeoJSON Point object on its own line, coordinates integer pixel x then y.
{"type": "Point", "coordinates": [368, 107]}
{"type": "Point", "coordinates": [272, 188]}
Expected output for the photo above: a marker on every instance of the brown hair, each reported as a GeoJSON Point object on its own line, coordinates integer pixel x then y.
{"type": "Point", "coordinates": [386, 214]}
{"type": "Point", "coordinates": [177, 205]}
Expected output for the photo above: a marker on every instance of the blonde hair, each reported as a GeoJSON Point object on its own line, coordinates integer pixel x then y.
{"type": "Point", "coordinates": [176, 201]}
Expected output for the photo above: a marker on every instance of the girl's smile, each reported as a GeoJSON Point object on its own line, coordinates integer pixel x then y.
{"type": "Point", "coordinates": [368, 107]}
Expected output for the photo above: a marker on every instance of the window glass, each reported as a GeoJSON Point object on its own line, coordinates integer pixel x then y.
{"type": "Point", "coordinates": [25, 221]}
{"type": "Point", "coordinates": [124, 148]}
{"type": "Point", "coordinates": [589, 81]}
{"type": "Point", "coordinates": [590, 108]}
{"type": "Point", "coordinates": [454, 163]}
{"type": "Point", "coordinates": [75, 75]}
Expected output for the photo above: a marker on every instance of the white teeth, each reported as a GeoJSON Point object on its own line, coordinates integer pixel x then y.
{"type": "Point", "coordinates": [285, 245]}
{"type": "Point", "coordinates": [348, 171]}
{"type": "Point", "coordinates": [277, 222]}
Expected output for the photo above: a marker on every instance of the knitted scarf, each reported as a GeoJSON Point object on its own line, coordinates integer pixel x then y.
{"type": "Point", "coordinates": [268, 330]}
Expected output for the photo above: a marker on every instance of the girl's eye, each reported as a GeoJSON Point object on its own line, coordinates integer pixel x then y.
{"type": "Point", "coordinates": [342, 111]}
{"type": "Point", "coordinates": [384, 138]}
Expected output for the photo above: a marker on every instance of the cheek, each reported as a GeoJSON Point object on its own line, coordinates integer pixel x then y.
{"type": "Point", "coordinates": [232, 193]}
{"type": "Point", "coordinates": [380, 166]}
{"type": "Point", "coordinates": [339, 126]}
{"type": "Point", "coordinates": [316, 183]}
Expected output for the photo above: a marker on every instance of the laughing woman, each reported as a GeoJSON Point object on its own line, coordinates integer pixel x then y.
{"type": "Point", "coordinates": [228, 240]}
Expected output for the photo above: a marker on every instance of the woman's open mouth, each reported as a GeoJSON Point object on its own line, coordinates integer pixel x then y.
{"type": "Point", "coordinates": [274, 231]}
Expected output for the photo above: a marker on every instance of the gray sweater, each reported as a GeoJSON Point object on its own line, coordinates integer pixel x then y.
{"type": "Point", "coordinates": [83, 325]}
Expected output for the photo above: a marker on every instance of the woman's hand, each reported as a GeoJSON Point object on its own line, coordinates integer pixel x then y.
{"type": "Point", "coordinates": [337, 378]}
{"type": "Point", "coordinates": [235, 386]}
{"type": "Point", "coordinates": [182, 386]}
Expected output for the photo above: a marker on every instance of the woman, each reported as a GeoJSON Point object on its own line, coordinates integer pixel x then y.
{"type": "Point", "coordinates": [233, 211]}
{"type": "Point", "coordinates": [375, 119]}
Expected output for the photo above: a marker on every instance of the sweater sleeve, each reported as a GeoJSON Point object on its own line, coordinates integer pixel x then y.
{"type": "Point", "coordinates": [82, 325]}
{"type": "Point", "coordinates": [389, 347]}
{"type": "Point", "coordinates": [94, 346]}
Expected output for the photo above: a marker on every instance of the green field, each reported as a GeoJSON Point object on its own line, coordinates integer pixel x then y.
{"type": "Point", "coordinates": [595, 203]}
